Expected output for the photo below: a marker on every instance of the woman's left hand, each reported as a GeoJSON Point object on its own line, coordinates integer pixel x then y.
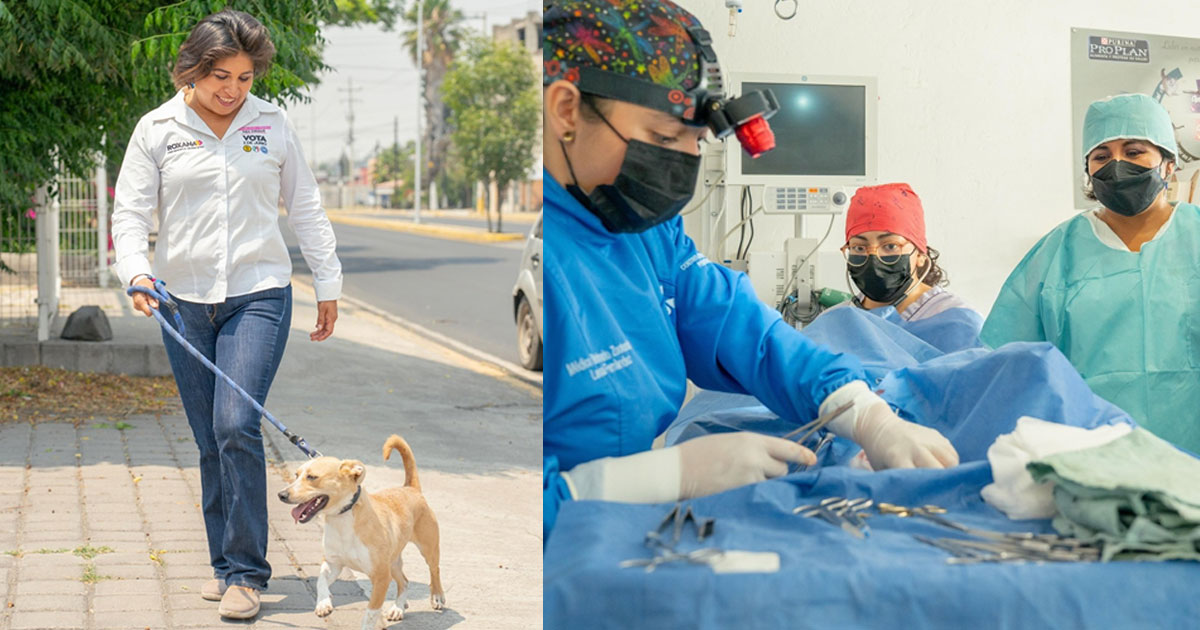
{"type": "Point", "coordinates": [326, 316]}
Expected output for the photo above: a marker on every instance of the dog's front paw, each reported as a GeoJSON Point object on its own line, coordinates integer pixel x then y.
{"type": "Point", "coordinates": [438, 600]}
{"type": "Point", "coordinates": [395, 613]}
{"type": "Point", "coordinates": [324, 607]}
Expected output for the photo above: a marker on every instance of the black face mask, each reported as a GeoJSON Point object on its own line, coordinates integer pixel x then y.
{"type": "Point", "coordinates": [653, 186]}
{"type": "Point", "coordinates": [1127, 188]}
{"type": "Point", "coordinates": [880, 281]}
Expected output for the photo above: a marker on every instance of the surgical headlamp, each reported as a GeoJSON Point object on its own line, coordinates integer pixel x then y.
{"type": "Point", "coordinates": [704, 105]}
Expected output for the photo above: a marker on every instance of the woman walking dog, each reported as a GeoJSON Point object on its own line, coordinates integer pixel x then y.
{"type": "Point", "coordinates": [213, 162]}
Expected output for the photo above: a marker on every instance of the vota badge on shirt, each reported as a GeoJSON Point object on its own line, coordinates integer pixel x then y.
{"type": "Point", "coordinates": [254, 139]}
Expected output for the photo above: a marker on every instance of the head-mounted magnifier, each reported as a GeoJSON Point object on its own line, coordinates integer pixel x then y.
{"type": "Point", "coordinates": [704, 105]}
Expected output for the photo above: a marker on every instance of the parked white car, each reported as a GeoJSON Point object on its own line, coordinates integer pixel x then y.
{"type": "Point", "coordinates": [527, 300]}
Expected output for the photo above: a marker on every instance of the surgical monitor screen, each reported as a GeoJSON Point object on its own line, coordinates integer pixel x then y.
{"type": "Point", "coordinates": [819, 130]}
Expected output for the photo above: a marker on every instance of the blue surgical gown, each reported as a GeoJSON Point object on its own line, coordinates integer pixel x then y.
{"type": "Point", "coordinates": [1128, 321]}
{"type": "Point", "coordinates": [631, 317]}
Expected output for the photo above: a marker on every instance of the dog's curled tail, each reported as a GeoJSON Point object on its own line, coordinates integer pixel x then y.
{"type": "Point", "coordinates": [410, 464]}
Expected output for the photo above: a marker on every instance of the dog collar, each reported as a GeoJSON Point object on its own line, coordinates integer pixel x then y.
{"type": "Point", "coordinates": [352, 501]}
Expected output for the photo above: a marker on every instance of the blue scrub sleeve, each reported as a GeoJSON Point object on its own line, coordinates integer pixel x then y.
{"type": "Point", "coordinates": [554, 493]}
{"type": "Point", "coordinates": [734, 342]}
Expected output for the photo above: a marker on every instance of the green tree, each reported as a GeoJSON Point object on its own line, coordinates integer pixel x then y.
{"type": "Point", "coordinates": [75, 71]}
{"type": "Point", "coordinates": [493, 96]}
{"type": "Point", "coordinates": [443, 34]}
{"type": "Point", "coordinates": [396, 163]}
{"type": "Point", "coordinates": [455, 184]}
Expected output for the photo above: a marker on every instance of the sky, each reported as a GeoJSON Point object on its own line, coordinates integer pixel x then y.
{"type": "Point", "coordinates": [384, 80]}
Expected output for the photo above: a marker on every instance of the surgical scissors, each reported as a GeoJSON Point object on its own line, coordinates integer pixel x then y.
{"type": "Point", "coordinates": [997, 546]}
{"type": "Point", "coordinates": [818, 424]}
{"type": "Point", "coordinates": [664, 550]}
{"type": "Point", "coordinates": [848, 514]}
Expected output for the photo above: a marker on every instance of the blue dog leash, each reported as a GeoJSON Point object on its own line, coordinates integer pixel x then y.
{"type": "Point", "coordinates": [159, 292]}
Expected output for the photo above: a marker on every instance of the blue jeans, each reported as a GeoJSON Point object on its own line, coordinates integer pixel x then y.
{"type": "Point", "coordinates": [244, 336]}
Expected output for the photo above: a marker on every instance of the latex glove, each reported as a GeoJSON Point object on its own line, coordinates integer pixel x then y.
{"type": "Point", "coordinates": [888, 440]}
{"type": "Point", "coordinates": [892, 442]}
{"type": "Point", "coordinates": [696, 468]}
{"type": "Point", "coordinates": [715, 463]}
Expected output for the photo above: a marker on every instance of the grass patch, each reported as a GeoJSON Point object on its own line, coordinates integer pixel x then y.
{"type": "Point", "coordinates": [91, 577]}
{"type": "Point", "coordinates": [37, 393]}
{"type": "Point", "coordinates": [120, 425]}
{"type": "Point", "coordinates": [87, 552]}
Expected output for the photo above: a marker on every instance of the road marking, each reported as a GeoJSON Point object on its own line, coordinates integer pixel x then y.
{"type": "Point", "coordinates": [448, 232]}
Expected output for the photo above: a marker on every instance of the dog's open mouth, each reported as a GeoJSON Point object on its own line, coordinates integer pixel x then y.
{"type": "Point", "coordinates": [304, 512]}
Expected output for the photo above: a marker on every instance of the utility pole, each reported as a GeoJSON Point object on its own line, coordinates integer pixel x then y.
{"type": "Point", "coordinates": [396, 157]}
{"type": "Point", "coordinates": [482, 21]}
{"type": "Point", "coordinates": [350, 100]}
{"type": "Point", "coordinates": [420, 99]}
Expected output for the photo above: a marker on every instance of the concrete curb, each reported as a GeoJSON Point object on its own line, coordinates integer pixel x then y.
{"type": "Point", "coordinates": [109, 357]}
{"type": "Point", "coordinates": [521, 218]}
{"type": "Point", "coordinates": [448, 232]}
{"type": "Point", "coordinates": [508, 367]}
{"type": "Point", "coordinates": [135, 349]}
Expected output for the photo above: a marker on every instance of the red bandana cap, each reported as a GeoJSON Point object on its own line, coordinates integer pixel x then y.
{"type": "Point", "coordinates": [891, 208]}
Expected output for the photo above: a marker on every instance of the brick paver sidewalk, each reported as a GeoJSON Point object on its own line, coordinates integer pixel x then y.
{"type": "Point", "coordinates": [100, 527]}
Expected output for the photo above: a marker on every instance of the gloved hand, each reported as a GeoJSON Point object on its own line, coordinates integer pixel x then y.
{"type": "Point", "coordinates": [891, 442]}
{"type": "Point", "coordinates": [715, 463]}
{"type": "Point", "coordinates": [887, 440]}
{"type": "Point", "coordinates": [696, 468]}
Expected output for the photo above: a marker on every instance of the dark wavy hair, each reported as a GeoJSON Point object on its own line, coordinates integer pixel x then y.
{"type": "Point", "coordinates": [937, 276]}
{"type": "Point", "coordinates": [218, 36]}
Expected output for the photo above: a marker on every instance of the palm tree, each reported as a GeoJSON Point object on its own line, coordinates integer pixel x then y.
{"type": "Point", "coordinates": [443, 36]}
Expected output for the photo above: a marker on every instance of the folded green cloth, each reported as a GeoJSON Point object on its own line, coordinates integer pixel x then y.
{"type": "Point", "coordinates": [1138, 495]}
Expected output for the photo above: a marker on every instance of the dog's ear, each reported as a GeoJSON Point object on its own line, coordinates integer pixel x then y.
{"type": "Point", "coordinates": [353, 469]}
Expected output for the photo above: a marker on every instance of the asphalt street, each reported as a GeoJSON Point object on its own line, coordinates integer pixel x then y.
{"type": "Point", "coordinates": [461, 290]}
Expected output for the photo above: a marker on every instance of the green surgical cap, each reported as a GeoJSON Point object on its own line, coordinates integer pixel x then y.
{"type": "Point", "coordinates": [1132, 116]}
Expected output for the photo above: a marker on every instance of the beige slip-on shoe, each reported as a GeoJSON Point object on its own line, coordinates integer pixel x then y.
{"type": "Point", "coordinates": [239, 602]}
{"type": "Point", "coordinates": [213, 590]}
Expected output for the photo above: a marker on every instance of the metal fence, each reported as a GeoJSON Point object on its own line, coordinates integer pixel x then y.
{"type": "Point", "coordinates": [57, 247]}
{"type": "Point", "coordinates": [83, 239]}
{"type": "Point", "coordinates": [18, 268]}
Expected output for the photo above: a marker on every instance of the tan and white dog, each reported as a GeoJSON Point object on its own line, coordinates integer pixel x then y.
{"type": "Point", "coordinates": [367, 531]}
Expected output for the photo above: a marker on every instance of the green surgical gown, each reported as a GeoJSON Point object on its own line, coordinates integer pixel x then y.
{"type": "Point", "coordinates": [1128, 321]}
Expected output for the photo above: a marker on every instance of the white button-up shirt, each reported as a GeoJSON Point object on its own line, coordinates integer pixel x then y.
{"type": "Point", "coordinates": [217, 200]}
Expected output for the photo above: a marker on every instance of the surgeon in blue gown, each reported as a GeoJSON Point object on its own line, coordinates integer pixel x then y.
{"type": "Point", "coordinates": [632, 310]}
{"type": "Point", "coordinates": [1117, 288]}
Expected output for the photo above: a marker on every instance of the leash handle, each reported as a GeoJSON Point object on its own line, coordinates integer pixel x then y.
{"type": "Point", "coordinates": [159, 292]}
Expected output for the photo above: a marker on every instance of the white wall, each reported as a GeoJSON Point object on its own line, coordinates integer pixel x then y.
{"type": "Point", "coordinates": [974, 110]}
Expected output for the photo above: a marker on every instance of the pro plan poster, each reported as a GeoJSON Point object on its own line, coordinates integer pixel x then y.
{"type": "Point", "coordinates": [1104, 63]}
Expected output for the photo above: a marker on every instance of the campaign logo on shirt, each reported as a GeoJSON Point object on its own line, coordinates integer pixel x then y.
{"type": "Point", "coordinates": [253, 140]}
{"type": "Point", "coordinates": [187, 145]}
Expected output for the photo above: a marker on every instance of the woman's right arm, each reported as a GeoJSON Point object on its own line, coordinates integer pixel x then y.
{"type": "Point", "coordinates": [134, 203]}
